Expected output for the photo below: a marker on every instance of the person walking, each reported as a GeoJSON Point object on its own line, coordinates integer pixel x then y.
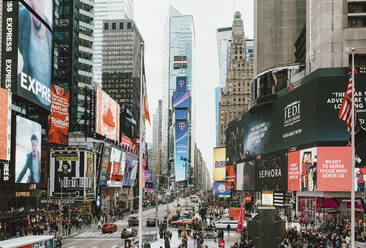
{"type": "Point", "coordinates": [228, 227]}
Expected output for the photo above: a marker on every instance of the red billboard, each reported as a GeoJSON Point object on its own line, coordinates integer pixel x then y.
{"type": "Point", "coordinates": [230, 177]}
{"type": "Point", "coordinates": [293, 171]}
{"type": "Point", "coordinates": [108, 111]}
{"type": "Point", "coordinates": [59, 118]}
{"type": "Point", "coordinates": [334, 169]}
{"type": "Point", "coordinates": [5, 112]}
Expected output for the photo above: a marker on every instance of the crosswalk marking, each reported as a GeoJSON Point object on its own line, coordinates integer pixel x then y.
{"type": "Point", "coordinates": [97, 234]}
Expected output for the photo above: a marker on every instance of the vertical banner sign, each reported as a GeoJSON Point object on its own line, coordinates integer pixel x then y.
{"type": "Point", "coordinates": [59, 118]}
{"type": "Point", "coordinates": [293, 171]}
{"type": "Point", "coordinates": [9, 53]}
{"type": "Point", "coordinates": [219, 155]}
{"type": "Point", "coordinates": [5, 124]}
{"type": "Point", "coordinates": [103, 178]}
{"type": "Point", "coordinates": [181, 151]}
{"type": "Point", "coordinates": [230, 182]}
{"type": "Point", "coordinates": [239, 176]}
{"type": "Point", "coordinates": [181, 84]}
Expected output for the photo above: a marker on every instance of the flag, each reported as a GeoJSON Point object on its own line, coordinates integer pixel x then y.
{"type": "Point", "coordinates": [146, 114]}
{"type": "Point", "coordinates": [346, 110]}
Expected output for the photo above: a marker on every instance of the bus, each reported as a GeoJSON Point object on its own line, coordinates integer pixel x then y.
{"type": "Point", "coordinates": [31, 241]}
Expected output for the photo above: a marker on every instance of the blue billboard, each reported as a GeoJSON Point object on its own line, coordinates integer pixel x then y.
{"type": "Point", "coordinates": [220, 189]}
{"type": "Point", "coordinates": [181, 99]}
{"type": "Point", "coordinates": [181, 150]}
{"type": "Point", "coordinates": [181, 84]}
{"type": "Point", "coordinates": [181, 114]}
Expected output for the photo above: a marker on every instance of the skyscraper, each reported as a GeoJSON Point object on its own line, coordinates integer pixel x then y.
{"type": "Point", "coordinates": [155, 159]}
{"type": "Point", "coordinates": [235, 97]}
{"type": "Point", "coordinates": [106, 10]}
{"type": "Point", "coordinates": [178, 62]}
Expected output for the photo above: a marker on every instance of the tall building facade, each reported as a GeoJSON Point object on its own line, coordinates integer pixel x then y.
{"type": "Point", "coordinates": [122, 63]}
{"type": "Point", "coordinates": [178, 62]}
{"type": "Point", "coordinates": [106, 10]}
{"type": "Point", "coordinates": [156, 150]}
{"type": "Point", "coordinates": [235, 97]}
{"type": "Point", "coordinates": [274, 43]}
{"type": "Point", "coordinates": [73, 48]}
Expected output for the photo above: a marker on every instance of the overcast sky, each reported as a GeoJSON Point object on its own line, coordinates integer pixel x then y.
{"type": "Point", "coordinates": [208, 15]}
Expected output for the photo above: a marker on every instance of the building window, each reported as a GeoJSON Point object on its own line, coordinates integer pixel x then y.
{"type": "Point", "coordinates": [114, 26]}
{"type": "Point", "coordinates": [105, 26]}
{"type": "Point", "coordinates": [129, 25]}
{"type": "Point", "coordinates": [121, 24]}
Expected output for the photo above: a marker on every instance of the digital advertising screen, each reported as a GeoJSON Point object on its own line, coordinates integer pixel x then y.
{"type": "Point", "coordinates": [220, 189]}
{"type": "Point", "coordinates": [130, 171]}
{"type": "Point", "coordinates": [148, 176]}
{"type": "Point", "coordinates": [181, 83]}
{"type": "Point", "coordinates": [181, 114]}
{"type": "Point", "coordinates": [59, 118]}
{"type": "Point", "coordinates": [181, 99]}
{"type": "Point", "coordinates": [267, 198]}
{"type": "Point", "coordinates": [219, 164]}
{"type": "Point", "coordinates": [27, 151]}
{"type": "Point", "coordinates": [103, 177]}
{"type": "Point", "coordinates": [230, 180]}
{"type": "Point", "coordinates": [5, 124]}
{"type": "Point", "coordinates": [114, 176]}
{"type": "Point", "coordinates": [108, 112]}
{"type": "Point", "coordinates": [27, 51]}
{"type": "Point", "coordinates": [181, 151]}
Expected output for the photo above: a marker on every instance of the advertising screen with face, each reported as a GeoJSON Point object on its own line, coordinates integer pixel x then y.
{"type": "Point", "coordinates": [27, 151]}
{"type": "Point", "coordinates": [34, 54]}
{"type": "Point", "coordinates": [108, 111]}
{"type": "Point", "coordinates": [59, 118]}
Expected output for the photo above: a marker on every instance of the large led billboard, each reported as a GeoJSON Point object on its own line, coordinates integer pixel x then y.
{"type": "Point", "coordinates": [181, 151]}
{"type": "Point", "coordinates": [181, 114]}
{"type": "Point", "coordinates": [130, 171]}
{"type": "Point", "coordinates": [27, 151]}
{"type": "Point", "coordinates": [181, 99]}
{"type": "Point", "coordinates": [27, 51]}
{"type": "Point", "coordinates": [220, 189]}
{"type": "Point", "coordinates": [219, 164]}
{"type": "Point", "coordinates": [181, 83]}
{"type": "Point", "coordinates": [230, 179]}
{"type": "Point", "coordinates": [115, 168]}
{"type": "Point", "coordinates": [108, 111]}
{"type": "Point", "coordinates": [59, 118]}
{"type": "Point", "coordinates": [43, 8]}
{"type": "Point", "coordinates": [5, 124]}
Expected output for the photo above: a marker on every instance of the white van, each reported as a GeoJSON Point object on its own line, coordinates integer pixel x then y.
{"type": "Point", "coordinates": [222, 224]}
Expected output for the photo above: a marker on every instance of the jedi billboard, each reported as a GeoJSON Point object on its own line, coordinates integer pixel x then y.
{"type": "Point", "coordinates": [181, 150]}
{"type": "Point", "coordinates": [108, 112]}
{"type": "Point", "coordinates": [219, 164]}
{"type": "Point", "coordinates": [27, 51]}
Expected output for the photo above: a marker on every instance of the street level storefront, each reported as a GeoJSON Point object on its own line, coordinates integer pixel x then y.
{"type": "Point", "coordinates": [293, 141]}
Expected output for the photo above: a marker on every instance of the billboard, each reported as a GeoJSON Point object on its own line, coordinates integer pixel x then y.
{"type": "Point", "coordinates": [181, 114]}
{"type": "Point", "coordinates": [220, 189]}
{"type": "Point", "coordinates": [181, 150]}
{"type": "Point", "coordinates": [320, 169]}
{"type": "Point", "coordinates": [27, 151]}
{"type": "Point", "coordinates": [108, 111]}
{"type": "Point", "coordinates": [104, 167]}
{"type": "Point", "coordinates": [27, 51]}
{"type": "Point", "coordinates": [239, 176]}
{"type": "Point", "coordinates": [5, 124]}
{"type": "Point", "coordinates": [59, 117]}
{"type": "Point", "coordinates": [181, 99]}
{"type": "Point", "coordinates": [219, 164]}
{"type": "Point", "coordinates": [130, 171]}
{"type": "Point", "coordinates": [249, 176]}
{"type": "Point", "coordinates": [72, 171]}
{"type": "Point", "coordinates": [148, 176]}
{"type": "Point", "coordinates": [295, 119]}
{"type": "Point", "coordinates": [181, 83]}
{"type": "Point", "coordinates": [43, 9]}
{"type": "Point", "coordinates": [115, 175]}
{"type": "Point", "coordinates": [230, 179]}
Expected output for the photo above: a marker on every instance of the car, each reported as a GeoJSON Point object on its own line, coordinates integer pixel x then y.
{"type": "Point", "coordinates": [151, 222]}
{"type": "Point", "coordinates": [182, 222]}
{"type": "Point", "coordinates": [222, 224]}
{"type": "Point", "coordinates": [109, 228]}
{"type": "Point", "coordinates": [128, 233]}
{"type": "Point", "coordinates": [133, 221]}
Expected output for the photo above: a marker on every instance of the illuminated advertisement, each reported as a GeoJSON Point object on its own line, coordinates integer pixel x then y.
{"type": "Point", "coordinates": [108, 111]}
{"type": "Point", "coordinates": [130, 171]}
{"type": "Point", "coordinates": [114, 172]}
{"type": "Point", "coordinates": [320, 169]}
{"type": "Point", "coordinates": [59, 118]}
{"type": "Point", "coordinates": [27, 151]}
{"type": "Point", "coordinates": [230, 180]}
{"type": "Point", "coordinates": [181, 84]}
{"type": "Point", "coordinates": [267, 198]}
{"type": "Point", "coordinates": [234, 144]}
{"type": "Point", "coordinates": [72, 171]}
{"type": "Point", "coordinates": [181, 151]}
{"type": "Point", "coordinates": [5, 124]}
{"type": "Point", "coordinates": [220, 189]}
{"type": "Point", "coordinates": [181, 99]}
{"type": "Point", "coordinates": [103, 177]}
{"type": "Point", "coordinates": [27, 51]}
{"type": "Point", "coordinates": [148, 176]}
{"type": "Point", "coordinates": [181, 114]}
{"type": "Point", "coordinates": [219, 164]}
